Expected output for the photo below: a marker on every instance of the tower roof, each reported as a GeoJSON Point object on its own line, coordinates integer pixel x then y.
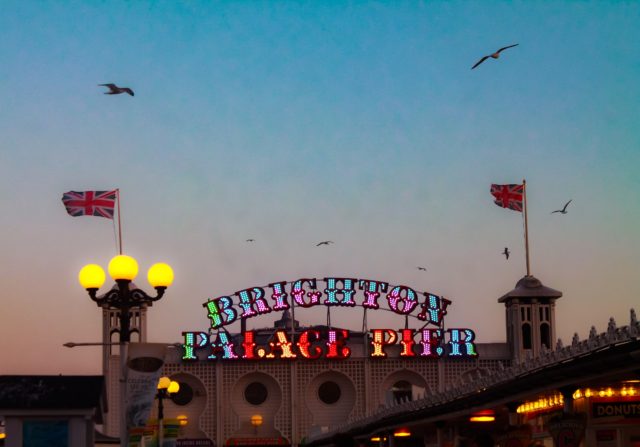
{"type": "Point", "coordinates": [530, 287]}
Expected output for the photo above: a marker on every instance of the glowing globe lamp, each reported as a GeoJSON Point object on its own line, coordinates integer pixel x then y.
{"type": "Point", "coordinates": [160, 275]}
{"type": "Point", "coordinates": [91, 276]}
{"type": "Point", "coordinates": [174, 387]}
{"type": "Point", "coordinates": [123, 267]}
{"type": "Point", "coordinates": [164, 383]}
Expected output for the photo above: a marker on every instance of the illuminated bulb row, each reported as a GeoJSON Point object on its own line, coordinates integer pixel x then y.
{"type": "Point", "coordinates": [544, 403]}
{"type": "Point", "coordinates": [605, 392]}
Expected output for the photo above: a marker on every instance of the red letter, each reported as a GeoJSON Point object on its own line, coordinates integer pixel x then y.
{"type": "Point", "coordinates": [337, 349]}
{"type": "Point", "coordinates": [407, 343]}
{"type": "Point", "coordinates": [249, 345]}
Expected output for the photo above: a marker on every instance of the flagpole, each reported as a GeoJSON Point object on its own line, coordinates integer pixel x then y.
{"type": "Point", "coordinates": [526, 225]}
{"type": "Point", "coordinates": [119, 223]}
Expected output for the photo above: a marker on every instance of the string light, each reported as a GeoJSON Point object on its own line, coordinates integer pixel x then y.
{"type": "Point", "coordinates": [626, 390]}
{"type": "Point", "coordinates": [542, 404]}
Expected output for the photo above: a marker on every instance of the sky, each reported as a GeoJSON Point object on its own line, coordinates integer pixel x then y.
{"type": "Point", "coordinates": [295, 122]}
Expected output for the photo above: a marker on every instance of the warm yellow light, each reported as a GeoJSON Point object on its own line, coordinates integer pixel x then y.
{"type": "Point", "coordinates": [256, 420]}
{"type": "Point", "coordinates": [91, 276]}
{"type": "Point", "coordinates": [587, 392]}
{"type": "Point", "coordinates": [183, 420]}
{"type": "Point", "coordinates": [402, 432]}
{"type": "Point", "coordinates": [609, 392]}
{"type": "Point", "coordinates": [482, 418]}
{"type": "Point", "coordinates": [164, 383]}
{"type": "Point", "coordinates": [174, 387]}
{"type": "Point", "coordinates": [375, 439]}
{"type": "Point", "coordinates": [123, 267]}
{"type": "Point", "coordinates": [160, 275]}
{"type": "Point", "coordinates": [3, 435]}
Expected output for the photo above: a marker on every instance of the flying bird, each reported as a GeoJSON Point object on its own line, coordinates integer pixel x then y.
{"type": "Point", "coordinates": [495, 55]}
{"type": "Point", "coordinates": [563, 210]}
{"type": "Point", "coordinates": [506, 252]}
{"type": "Point", "coordinates": [324, 243]}
{"type": "Point", "coordinates": [115, 90]}
{"type": "Point", "coordinates": [250, 240]}
{"type": "Point", "coordinates": [422, 268]}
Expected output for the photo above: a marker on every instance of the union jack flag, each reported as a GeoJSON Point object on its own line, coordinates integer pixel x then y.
{"type": "Point", "coordinates": [508, 196]}
{"type": "Point", "coordinates": [90, 203]}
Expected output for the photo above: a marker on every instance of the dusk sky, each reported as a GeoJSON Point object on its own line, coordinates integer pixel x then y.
{"type": "Point", "coordinates": [293, 122]}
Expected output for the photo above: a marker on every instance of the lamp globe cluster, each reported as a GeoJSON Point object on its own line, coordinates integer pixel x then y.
{"type": "Point", "coordinates": [124, 268]}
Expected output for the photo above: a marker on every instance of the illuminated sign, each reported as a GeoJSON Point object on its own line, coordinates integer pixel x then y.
{"type": "Point", "coordinates": [309, 344]}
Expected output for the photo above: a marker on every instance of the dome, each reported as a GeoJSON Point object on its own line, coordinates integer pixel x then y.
{"type": "Point", "coordinates": [530, 287]}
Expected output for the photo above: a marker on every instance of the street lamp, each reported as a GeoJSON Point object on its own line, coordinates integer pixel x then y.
{"type": "Point", "coordinates": [123, 269]}
{"type": "Point", "coordinates": [166, 387]}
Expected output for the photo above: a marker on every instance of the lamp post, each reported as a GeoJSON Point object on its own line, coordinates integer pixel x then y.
{"type": "Point", "coordinates": [166, 387]}
{"type": "Point", "coordinates": [123, 269]}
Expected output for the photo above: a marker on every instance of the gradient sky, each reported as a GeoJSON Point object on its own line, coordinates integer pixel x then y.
{"type": "Point", "coordinates": [293, 122]}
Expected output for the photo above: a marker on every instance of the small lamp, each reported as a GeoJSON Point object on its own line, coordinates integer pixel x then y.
{"type": "Point", "coordinates": [160, 275]}
{"type": "Point", "coordinates": [123, 267]}
{"type": "Point", "coordinates": [256, 421]}
{"type": "Point", "coordinates": [402, 432]}
{"type": "Point", "coordinates": [91, 276]}
{"type": "Point", "coordinates": [483, 416]}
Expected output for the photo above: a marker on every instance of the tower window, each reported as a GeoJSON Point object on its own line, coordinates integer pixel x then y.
{"type": "Point", "coordinates": [526, 336]}
{"type": "Point", "coordinates": [545, 336]}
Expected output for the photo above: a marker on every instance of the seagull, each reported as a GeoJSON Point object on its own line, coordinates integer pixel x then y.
{"type": "Point", "coordinates": [563, 210]}
{"type": "Point", "coordinates": [495, 55]}
{"type": "Point", "coordinates": [115, 90]}
{"type": "Point", "coordinates": [506, 252]}
{"type": "Point", "coordinates": [250, 240]}
{"type": "Point", "coordinates": [422, 268]}
{"type": "Point", "coordinates": [324, 243]}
